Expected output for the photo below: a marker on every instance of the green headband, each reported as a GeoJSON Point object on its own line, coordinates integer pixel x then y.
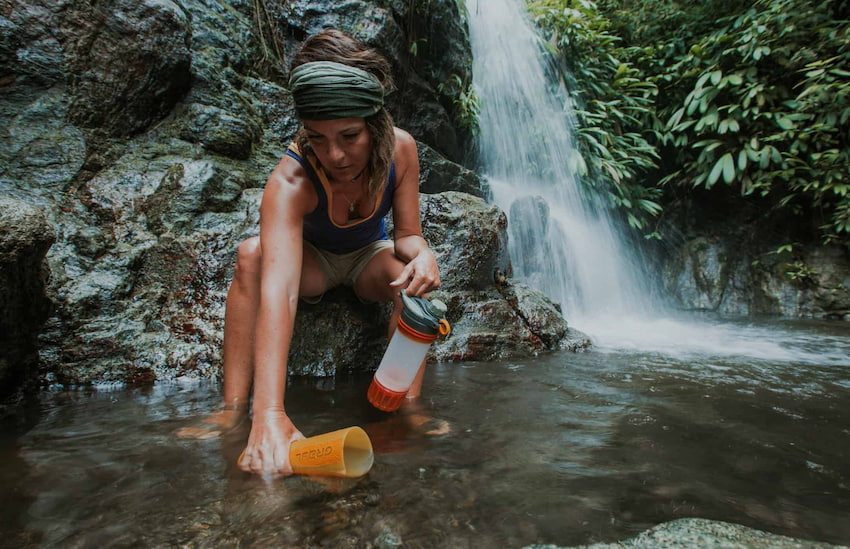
{"type": "Point", "coordinates": [324, 90]}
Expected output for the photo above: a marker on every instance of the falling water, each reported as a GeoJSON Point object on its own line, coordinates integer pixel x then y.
{"type": "Point", "coordinates": [561, 240]}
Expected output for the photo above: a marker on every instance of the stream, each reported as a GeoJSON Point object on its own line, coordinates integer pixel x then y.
{"type": "Point", "coordinates": [565, 449]}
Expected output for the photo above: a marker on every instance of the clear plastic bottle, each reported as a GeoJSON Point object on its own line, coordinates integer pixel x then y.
{"type": "Point", "coordinates": [420, 323]}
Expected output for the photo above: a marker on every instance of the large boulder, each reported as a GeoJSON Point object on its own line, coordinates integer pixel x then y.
{"type": "Point", "coordinates": [25, 237]}
{"type": "Point", "coordinates": [143, 297]}
{"type": "Point", "coordinates": [30, 47]}
{"type": "Point", "coordinates": [492, 316]}
{"type": "Point", "coordinates": [225, 110]}
{"type": "Point", "coordinates": [438, 174]}
{"type": "Point", "coordinates": [726, 276]}
{"type": "Point", "coordinates": [144, 131]}
{"type": "Point", "coordinates": [127, 62]}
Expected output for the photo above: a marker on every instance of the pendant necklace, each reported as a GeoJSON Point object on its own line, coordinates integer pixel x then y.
{"type": "Point", "coordinates": [352, 204]}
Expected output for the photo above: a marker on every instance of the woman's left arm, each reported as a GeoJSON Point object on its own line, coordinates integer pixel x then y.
{"type": "Point", "coordinates": [420, 274]}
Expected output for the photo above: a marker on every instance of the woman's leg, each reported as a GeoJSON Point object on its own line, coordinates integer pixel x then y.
{"type": "Point", "coordinates": [239, 315]}
{"type": "Point", "coordinates": [243, 299]}
{"type": "Point", "coordinates": [373, 284]}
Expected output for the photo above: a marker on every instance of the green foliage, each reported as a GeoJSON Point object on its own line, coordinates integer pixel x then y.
{"type": "Point", "coordinates": [751, 96]}
{"type": "Point", "coordinates": [465, 100]}
{"type": "Point", "coordinates": [613, 103]}
{"type": "Point", "coordinates": [801, 274]}
{"type": "Point", "coordinates": [762, 104]}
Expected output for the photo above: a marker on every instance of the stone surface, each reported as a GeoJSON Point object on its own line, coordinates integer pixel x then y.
{"type": "Point", "coordinates": [723, 276]}
{"type": "Point", "coordinates": [438, 174]}
{"type": "Point", "coordinates": [126, 62]}
{"type": "Point", "coordinates": [691, 533]}
{"type": "Point", "coordinates": [145, 130]}
{"type": "Point", "coordinates": [25, 237]}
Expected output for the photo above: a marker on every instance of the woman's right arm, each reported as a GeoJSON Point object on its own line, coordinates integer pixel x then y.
{"type": "Point", "coordinates": [288, 196]}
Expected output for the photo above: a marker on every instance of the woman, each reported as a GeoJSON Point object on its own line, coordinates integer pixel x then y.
{"type": "Point", "coordinates": [321, 225]}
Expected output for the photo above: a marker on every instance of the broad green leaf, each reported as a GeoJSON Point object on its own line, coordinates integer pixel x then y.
{"type": "Point", "coordinates": [715, 173]}
{"type": "Point", "coordinates": [728, 167]}
{"type": "Point", "coordinates": [785, 123]}
{"type": "Point", "coordinates": [742, 160]}
{"type": "Point", "coordinates": [716, 76]}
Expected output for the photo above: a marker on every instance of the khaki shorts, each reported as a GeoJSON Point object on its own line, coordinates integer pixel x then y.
{"type": "Point", "coordinates": [344, 268]}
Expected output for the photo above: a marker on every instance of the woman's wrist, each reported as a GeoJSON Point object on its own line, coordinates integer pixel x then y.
{"type": "Point", "coordinates": [261, 410]}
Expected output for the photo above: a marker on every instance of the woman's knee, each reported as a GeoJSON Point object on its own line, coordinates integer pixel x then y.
{"type": "Point", "coordinates": [248, 257]}
{"type": "Point", "coordinates": [373, 282]}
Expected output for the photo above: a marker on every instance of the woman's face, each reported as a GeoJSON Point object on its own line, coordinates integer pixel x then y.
{"type": "Point", "coordinates": [342, 146]}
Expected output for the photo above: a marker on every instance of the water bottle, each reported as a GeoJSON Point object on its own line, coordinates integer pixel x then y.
{"type": "Point", "coordinates": [420, 323]}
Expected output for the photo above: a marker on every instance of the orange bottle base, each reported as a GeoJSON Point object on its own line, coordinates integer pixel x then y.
{"type": "Point", "coordinates": [384, 399]}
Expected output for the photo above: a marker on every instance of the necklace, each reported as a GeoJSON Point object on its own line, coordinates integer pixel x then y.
{"type": "Point", "coordinates": [352, 204]}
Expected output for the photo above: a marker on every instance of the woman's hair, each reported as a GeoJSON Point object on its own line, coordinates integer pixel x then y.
{"type": "Point", "coordinates": [336, 46]}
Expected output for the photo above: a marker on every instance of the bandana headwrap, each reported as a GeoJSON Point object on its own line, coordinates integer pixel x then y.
{"type": "Point", "coordinates": [324, 90]}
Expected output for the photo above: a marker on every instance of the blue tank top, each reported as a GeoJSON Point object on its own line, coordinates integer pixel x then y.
{"type": "Point", "coordinates": [321, 231]}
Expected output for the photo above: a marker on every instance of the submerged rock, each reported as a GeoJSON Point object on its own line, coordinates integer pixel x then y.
{"type": "Point", "coordinates": [705, 534]}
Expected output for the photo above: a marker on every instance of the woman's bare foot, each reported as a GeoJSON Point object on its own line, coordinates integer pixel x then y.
{"type": "Point", "coordinates": [422, 423]}
{"type": "Point", "coordinates": [216, 424]}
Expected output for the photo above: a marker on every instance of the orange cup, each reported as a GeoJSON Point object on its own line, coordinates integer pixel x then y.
{"type": "Point", "coordinates": [343, 453]}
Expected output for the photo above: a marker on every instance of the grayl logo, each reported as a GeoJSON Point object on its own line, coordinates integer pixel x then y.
{"type": "Point", "coordinates": [315, 453]}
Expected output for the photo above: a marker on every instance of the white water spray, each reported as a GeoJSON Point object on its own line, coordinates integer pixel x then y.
{"type": "Point", "coordinates": [560, 241]}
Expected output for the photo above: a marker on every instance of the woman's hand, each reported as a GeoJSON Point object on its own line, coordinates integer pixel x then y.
{"type": "Point", "coordinates": [420, 275]}
{"type": "Point", "coordinates": [267, 452]}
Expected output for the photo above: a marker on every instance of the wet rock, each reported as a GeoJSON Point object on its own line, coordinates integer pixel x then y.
{"type": "Point", "coordinates": [127, 62]}
{"type": "Point", "coordinates": [30, 46]}
{"type": "Point", "coordinates": [531, 217]}
{"type": "Point", "coordinates": [25, 237]}
{"type": "Point", "coordinates": [487, 326]}
{"type": "Point", "coordinates": [489, 320]}
{"type": "Point", "coordinates": [146, 130]}
{"type": "Point", "coordinates": [228, 132]}
{"type": "Point", "coordinates": [388, 540]}
{"type": "Point", "coordinates": [221, 112]}
{"type": "Point", "coordinates": [438, 174]}
{"type": "Point", "coordinates": [440, 53]}
{"type": "Point", "coordinates": [467, 235]}
{"type": "Point", "coordinates": [696, 532]}
{"type": "Point", "coordinates": [725, 276]}
{"type": "Point", "coordinates": [40, 152]}
{"type": "Point", "coordinates": [338, 334]}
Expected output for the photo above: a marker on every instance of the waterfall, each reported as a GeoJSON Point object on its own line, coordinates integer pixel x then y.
{"type": "Point", "coordinates": [561, 240]}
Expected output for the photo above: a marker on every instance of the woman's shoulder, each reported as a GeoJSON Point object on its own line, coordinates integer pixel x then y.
{"type": "Point", "coordinates": [403, 139]}
{"type": "Point", "coordinates": [290, 179]}
{"type": "Point", "coordinates": [405, 147]}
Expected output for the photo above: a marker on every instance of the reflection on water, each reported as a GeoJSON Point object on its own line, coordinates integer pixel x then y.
{"type": "Point", "coordinates": [566, 449]}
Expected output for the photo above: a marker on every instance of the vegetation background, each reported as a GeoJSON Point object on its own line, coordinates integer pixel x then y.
{"type": "Point", "coordinates": [697, 113]}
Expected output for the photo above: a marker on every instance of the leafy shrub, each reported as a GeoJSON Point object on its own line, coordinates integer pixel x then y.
{"type": "Point", "coordinates": [613, 104]}
{"type": "Point", "coordinates": [756, 101]}
{"type": "Point", "coordinates": [760, 103]}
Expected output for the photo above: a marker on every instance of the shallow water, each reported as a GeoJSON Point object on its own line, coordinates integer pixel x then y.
{"type": "Point", "coordinates": [566, 449]}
